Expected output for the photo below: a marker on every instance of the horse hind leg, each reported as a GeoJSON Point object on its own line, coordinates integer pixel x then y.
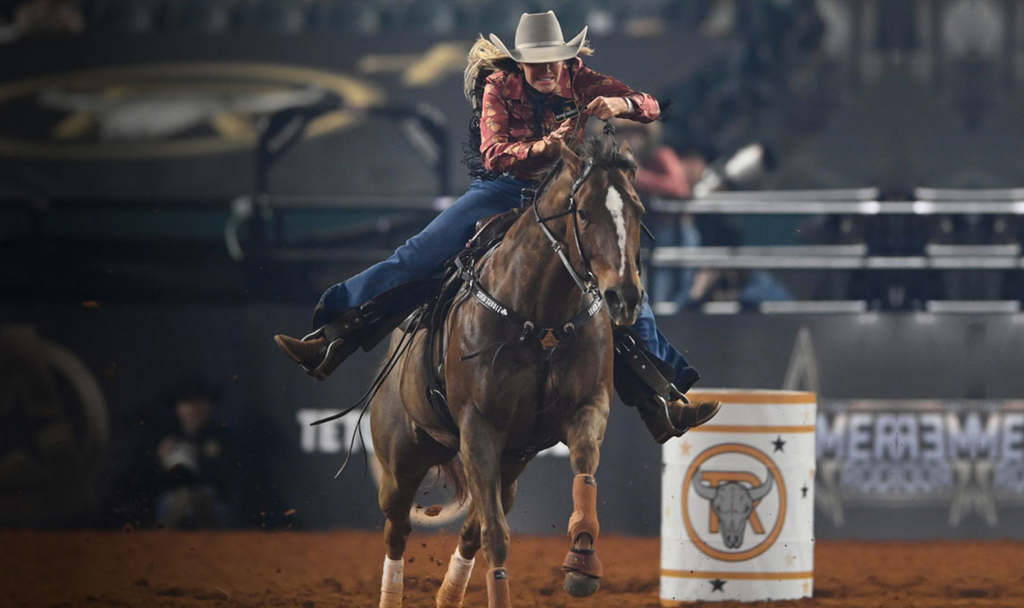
{"type": "Point", "coordinates": [582, 567]}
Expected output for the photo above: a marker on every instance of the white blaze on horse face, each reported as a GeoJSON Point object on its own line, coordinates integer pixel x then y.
{"type": "Point", "coordinates": [615, 207]}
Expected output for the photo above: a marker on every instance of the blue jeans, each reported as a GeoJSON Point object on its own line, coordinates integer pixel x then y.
{"type": "Point", "coordinates": [425, 254]}
{"type": "Point", "coordinates": [646, 329]}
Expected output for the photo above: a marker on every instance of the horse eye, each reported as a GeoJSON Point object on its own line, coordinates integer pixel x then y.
{"type": "Point", "coordinates": [584, 217]}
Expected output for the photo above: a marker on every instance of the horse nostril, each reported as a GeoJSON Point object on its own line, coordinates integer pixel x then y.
{"type": "Point", "coordinates": [613, 300]}
{"type": "Point", "coordinates": [631, 295]}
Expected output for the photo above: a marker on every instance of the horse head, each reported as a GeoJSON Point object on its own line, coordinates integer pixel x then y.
{"type": "Point", "coordinates": [608, 213]}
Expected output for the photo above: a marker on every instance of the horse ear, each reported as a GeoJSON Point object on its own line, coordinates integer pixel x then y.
{"type": "Point", "coordinates": [626, 151]}
{"type": "Point", "coordinates": [571, 160]}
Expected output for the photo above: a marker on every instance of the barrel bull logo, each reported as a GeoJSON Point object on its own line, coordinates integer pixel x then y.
{"type": "Point", "coordinates": [734, 502]}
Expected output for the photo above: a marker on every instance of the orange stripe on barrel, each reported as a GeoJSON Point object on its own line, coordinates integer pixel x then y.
{"type": "Point", "coordinates": [744, 576]}
{"type": "Point", "coordinates": [751, 428]}
{"type": "Point", "coordinates": [742, 397]}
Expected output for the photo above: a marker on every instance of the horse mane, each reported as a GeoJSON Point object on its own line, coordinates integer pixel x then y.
{"type": "Point", "coordinates": [600, 148]}
{"type": "Point", "coordinates": [606, 155]}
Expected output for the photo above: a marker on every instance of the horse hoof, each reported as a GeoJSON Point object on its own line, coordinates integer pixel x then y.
{"type": "Point", "coordinates": [581, 585]}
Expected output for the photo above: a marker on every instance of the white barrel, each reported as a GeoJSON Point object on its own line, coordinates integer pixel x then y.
{"type": "Point", "coordinates": [737, 499]}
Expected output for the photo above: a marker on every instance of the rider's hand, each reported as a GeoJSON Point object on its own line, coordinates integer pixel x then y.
{"type": "Point", "coordinates": [553, 141]}
{"type": "Point", "coordinates": [607, 107]}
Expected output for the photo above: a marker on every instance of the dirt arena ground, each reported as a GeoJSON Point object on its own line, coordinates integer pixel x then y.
{"type": "Point", "coordinates": [342, 569]}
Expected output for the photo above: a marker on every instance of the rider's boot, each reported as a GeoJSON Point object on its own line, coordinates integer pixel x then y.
{"type": "Point", "coordinates": [673, 418]}
{"type": "Point", "coordinates": [657, 390]}
{"type": "Point", "coordinates": [685, 415]}
{"type": "Point", "coordinates": [322, 351]}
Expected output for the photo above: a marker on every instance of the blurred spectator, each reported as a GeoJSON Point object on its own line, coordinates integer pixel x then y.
{"type": "Point", "coordinates": [193, 461]}
{"type": "Point", "coordinates": [663, 174]}
{"type": "Point", "coordinates": [748, 287]}
{"type": "Point", "coordinates": [972, 229]}
{"type": "Point", "coordinates": [897, 27]}
{"type": "Point", "coordinates": [48, 17]}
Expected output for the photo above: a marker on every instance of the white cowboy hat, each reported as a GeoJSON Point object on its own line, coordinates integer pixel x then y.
{"type": "Point", "coordinates": [539, 40]}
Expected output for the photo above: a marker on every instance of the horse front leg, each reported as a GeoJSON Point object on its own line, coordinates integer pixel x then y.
{"type": "Point", "coordinates": [460, 567]}
{"type": "Point", "coordinates": [481, 448]}
{"type": "Point", "coordinates": [396, 498]}
{"type": "Point", "coordinates": [585, 433]}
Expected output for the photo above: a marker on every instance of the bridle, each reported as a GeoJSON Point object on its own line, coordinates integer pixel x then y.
{"type": "Point", "coordinates": [587, 282]}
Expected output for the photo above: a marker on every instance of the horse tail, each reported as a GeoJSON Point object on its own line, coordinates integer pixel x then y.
{"type": "Point", "coordinates": [455, 473]}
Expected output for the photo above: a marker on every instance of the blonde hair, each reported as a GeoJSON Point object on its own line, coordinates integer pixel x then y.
{"type": "Point", "coordinates": [485, 58]}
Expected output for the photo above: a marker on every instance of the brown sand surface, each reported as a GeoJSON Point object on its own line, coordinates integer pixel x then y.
{"type": "Point", "coordinates": [159, 569]}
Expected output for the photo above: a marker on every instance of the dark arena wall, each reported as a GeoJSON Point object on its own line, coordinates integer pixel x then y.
{"type": "Point", "coordinates": [912, 410]}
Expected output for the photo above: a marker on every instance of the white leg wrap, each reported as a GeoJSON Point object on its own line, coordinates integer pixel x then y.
{"type": "Point", "coordinates": [453, 589]}
{"type": "Point", "coordinates": [391, 583]}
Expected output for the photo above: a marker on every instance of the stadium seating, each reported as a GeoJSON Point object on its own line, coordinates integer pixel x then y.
{"type": "Point", "coordinates": [123, 16]}
{"type": "Point", "coordinates": [368, 17]}
{"type": "Point", "coordinates": [283, 16]}
{"type": "Point", "coordinates": [198, 16]}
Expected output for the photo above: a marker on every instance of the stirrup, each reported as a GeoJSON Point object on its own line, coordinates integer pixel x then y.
{"type": "Point", "coordinates": [341, 339]}
{"type": "Point", "coordinates": [658, 421]}
{"type": "Point", "coordinates": [318, 371]}
{"type": "Point", "coordinates": [336, 352]}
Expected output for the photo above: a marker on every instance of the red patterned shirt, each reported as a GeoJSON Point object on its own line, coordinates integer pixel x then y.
{"type": "Point", "coordinates": [511, 130]}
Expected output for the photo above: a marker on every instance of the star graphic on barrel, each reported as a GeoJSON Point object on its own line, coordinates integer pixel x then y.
{"type": "Point", "coordinates": [778, 443]}
{"type": "Point", "coordinates": [717, 585]}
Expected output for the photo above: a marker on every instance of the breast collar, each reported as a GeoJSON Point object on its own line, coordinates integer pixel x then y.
{"type": "Point", "coordinates": [592, 302]}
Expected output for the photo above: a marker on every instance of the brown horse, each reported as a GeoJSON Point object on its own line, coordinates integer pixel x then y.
{"type": "Point", "coordinates": [528, 388]}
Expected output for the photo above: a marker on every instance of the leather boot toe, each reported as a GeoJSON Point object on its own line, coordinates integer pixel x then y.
{"type": "Point", "coordinates": [308, 353]}
{"type": "Point", "coordinates": [688, 415]}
